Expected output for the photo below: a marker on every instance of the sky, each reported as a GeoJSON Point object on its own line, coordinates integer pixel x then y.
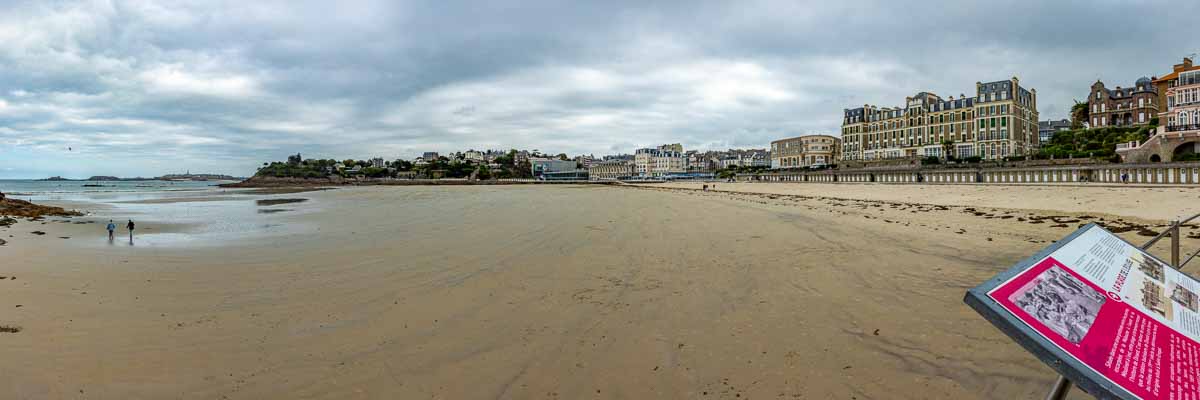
{"type": "Point", "coordinates": [144, 88]}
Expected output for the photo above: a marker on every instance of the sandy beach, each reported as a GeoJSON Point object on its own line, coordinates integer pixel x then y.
{"type": "Point", "coordinates": [798, 291]}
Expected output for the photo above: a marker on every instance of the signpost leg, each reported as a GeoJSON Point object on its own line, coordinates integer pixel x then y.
{"type": "Point", "coordinates": [1175, 244]}
{"type": "Point", "coordinates": [1060, 389]}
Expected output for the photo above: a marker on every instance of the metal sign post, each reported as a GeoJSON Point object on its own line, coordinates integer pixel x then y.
{"type": "Point", "coordinates": [1061, 387]}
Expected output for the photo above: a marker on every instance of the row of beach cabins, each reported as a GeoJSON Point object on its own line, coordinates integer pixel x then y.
{"type": "Point", "coordinates": [1167, 174]}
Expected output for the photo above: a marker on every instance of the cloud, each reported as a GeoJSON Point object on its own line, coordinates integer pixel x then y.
{"type": "Point", "coordinates": [173, 79]}
{"type": "Point", "coordinates": [223, 85]}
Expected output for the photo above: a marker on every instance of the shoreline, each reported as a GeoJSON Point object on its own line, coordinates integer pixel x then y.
{"type": "Point", "coordinates": [318, 183]}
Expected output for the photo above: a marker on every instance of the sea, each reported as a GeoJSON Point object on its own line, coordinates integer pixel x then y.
{"type": "Point", "coordinates": [40, 190]}
{"type": "Point", "coordinates": [171, 213]}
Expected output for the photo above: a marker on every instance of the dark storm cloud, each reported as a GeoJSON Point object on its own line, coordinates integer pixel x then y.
{"type": "Point", "coordinates": [225, 85]}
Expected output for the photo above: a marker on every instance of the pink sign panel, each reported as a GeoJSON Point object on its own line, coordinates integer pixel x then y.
{"type": "Point", "coordinates": [1125, 315]}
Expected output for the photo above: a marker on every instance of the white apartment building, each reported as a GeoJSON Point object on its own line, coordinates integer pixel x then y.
{"type": "Point", "coordinates": [659, 162]}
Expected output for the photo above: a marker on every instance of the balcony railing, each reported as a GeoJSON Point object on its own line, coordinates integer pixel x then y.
{"type": "Point", "coordinates": [1183, 127]}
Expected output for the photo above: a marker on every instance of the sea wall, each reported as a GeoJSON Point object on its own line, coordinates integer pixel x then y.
{"type": "Point", "coordinates": [1186, 173]}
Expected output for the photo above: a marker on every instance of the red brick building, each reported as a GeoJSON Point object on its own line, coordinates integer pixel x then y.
{"type": "Point", "coordinates": [1123, 106]}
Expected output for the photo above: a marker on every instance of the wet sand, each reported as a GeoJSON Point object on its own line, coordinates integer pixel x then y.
{"type": "Point", "coordinates": [539, 292]}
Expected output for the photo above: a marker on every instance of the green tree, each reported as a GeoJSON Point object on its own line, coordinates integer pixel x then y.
{"type": "Point", "coordinates": [401, 165]}
{"type": "Point", "coordinates": [483, 173]}
{"type": "Point", "coordinates": [523, 170]}
{"type": "Point", "coordinates": [948, 149]}
{"type": "Point", "coordinates": [505, 161]}
{"type": "Point", "coordinates": [1079, 115]}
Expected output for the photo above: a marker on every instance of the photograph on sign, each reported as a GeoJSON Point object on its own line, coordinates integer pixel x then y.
{"type": "Point", "coordinates": [1061, 302]}
{"type": "Point", "coordinates": [1120, 312]}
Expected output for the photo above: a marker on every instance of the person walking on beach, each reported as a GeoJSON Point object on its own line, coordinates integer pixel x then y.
{"type": "Point", "coordinates": [130, 227]}
{"type": "Point", "coordinates": [111, 227]}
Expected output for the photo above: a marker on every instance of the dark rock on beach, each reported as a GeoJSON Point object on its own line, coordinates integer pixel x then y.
{"type": "Point", "coordinates": [20, 208]}
{"type": "Point", "coordinates": [272, 202]}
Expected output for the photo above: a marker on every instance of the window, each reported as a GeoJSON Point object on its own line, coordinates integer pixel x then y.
{"type": "Point", "coordinates": [1004, 121]}
{"type": "Point", "coordinates": [1140, 101]}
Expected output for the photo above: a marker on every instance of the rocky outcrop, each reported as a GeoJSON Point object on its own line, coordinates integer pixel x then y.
{"type": "Point", "coordinates": [25, 209]}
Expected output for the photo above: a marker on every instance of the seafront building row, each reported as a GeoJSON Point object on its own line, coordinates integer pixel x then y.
{"type": "Point", "coordinates": [998, 121]}
{"type": "Point", "coordinates": [670, 160]}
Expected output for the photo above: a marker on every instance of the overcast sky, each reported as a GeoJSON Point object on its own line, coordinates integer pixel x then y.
{"type": "Point", "coordinates": [145, 88]}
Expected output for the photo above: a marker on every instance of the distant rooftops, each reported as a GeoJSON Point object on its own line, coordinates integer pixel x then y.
{"type": "Point", "coordinates": [1044, 125]}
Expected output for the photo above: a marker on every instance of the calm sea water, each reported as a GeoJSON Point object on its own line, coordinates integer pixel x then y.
{"type": "Point", "coordinates": [74, 190]}
{"type": "Point", "coordinates": [171, 213]}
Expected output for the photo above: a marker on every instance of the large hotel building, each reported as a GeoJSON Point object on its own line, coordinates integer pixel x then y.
{"type": "Point", "coordinates": [1001, 120]}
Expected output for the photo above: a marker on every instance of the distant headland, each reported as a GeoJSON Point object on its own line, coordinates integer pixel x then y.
{"type": "Point", "coordinates": [168, 177]}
